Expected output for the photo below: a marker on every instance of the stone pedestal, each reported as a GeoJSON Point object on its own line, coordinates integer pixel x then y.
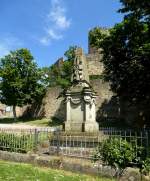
{"type": "Point", "coordinates": [80, 110]}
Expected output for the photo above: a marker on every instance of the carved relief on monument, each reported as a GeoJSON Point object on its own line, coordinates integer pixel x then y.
{"type": "Point", "coordinates": [79, 67]}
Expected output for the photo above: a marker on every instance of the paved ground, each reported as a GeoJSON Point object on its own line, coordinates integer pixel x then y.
{"type": "Point", "coordinates": [25, 126]}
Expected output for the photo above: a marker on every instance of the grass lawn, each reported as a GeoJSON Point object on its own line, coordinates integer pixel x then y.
{"type": "Point", "coordinates": [37, 122]}
{"type": "Point", "coordinates": [33, 122]}
{"type": "Point", "coordinates": [11, 171]}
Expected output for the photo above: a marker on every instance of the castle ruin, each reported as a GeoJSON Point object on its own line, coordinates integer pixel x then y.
{"type": "Point", "coordinates": [109, 109]}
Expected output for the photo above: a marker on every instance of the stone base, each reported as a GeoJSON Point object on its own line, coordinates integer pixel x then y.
{"type": "Point", "coordinates": [82, 127]}
{"type": "Point", "coordinates": [76, 127]}
{"type": "Point", "coordinates": [91, 127]}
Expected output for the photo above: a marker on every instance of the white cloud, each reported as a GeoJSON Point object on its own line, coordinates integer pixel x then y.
{"type": "Point", "coordinates": [7, 44]}
{"type": "Point", "coordinates": [45, 40]}
{"type": "Point", "coordinates": [58, 15]}
{"type": "Point", "coordinates": [56, 22]}
{"type": "Point", "coordinates": [51, 33]}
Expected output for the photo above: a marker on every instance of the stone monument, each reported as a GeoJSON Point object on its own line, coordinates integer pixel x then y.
{"type": "Point", "coordinates": [80, 98]}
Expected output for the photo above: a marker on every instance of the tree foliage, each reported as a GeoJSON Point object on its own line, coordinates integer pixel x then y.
{"type": "Point", "coordinates": [136, 8]}
{"type": "Point", "coordinates": [70, 53]}
{"type": "Point", "coordinates": [126, 59]}
{"type": "Point", "coordinates": [126, 53]}
{"type": "Point", "coordinates": [20, 82]}
{"type": "Point", "coordinates": [67, 67]}
{"type": "Point", "coordinates": [60, 75]}
{"type": "Point", "coordinates": [97, 35]}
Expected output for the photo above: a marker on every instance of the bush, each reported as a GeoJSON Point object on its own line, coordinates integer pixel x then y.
{"type": "Point", "coordinates": [145, 166]}
{"type": "Point", "coordinates": [117, 153]}
{"type": "Point", "coordinates": [16, 142]}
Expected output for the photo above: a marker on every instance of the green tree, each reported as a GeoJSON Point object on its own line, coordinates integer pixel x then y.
{"type": "Point", "coordinates": [67, 67]}
{"type": "Point", "coordinates": [70, 53]}
{"type": "Point", "coordinates": [126, 52]}
{"type": "Point", "coordinates": [60, 75]}
{"type": "Point", "coordinates": [21, 81]}
{"type": "Point", "coordinates": [126, 59]}
{"type": "Point", "coordinates": [97, 35]}
{"type": "Point", "coordinates": [137, 8]}
{"type": "Point", "coordinates": [50, 75]}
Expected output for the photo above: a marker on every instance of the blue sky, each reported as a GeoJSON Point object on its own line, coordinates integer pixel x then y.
{"type": "Point", "coordinates": [48, 27]}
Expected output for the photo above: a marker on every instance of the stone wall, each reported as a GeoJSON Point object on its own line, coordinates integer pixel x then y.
{"type": "Point", "coordinates": [103, 92]}
{"type": "Point", "coordinates": [107, 106]}
{"type": "Point", "coordinates": [95, 67]}
{"type": "Point", "coordinates": [50, 106]}
{"type": "Point", "coordinates": [53, 104]}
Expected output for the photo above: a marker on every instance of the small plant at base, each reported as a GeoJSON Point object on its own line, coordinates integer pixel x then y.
{"type": "Point", "coordinates": [145, 167]}
{"type": "Point", "coordinates": [117, 153]}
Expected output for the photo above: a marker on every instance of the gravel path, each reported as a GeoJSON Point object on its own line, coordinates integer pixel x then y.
{"type": "Point", "coordinates": [25, 126]}
{"type": "Point", "coordinates": [19, 126]}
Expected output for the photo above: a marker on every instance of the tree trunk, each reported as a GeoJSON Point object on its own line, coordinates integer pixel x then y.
{"type": "Point", "coordinates": [14, 112]}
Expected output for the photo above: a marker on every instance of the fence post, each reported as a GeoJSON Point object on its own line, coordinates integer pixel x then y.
{"type": "Point", "coordinates": [147, 144]}
{"type": "Point", "coordinates": [57, 138]}
{"type": "Point", "coordinates": [35, 139]}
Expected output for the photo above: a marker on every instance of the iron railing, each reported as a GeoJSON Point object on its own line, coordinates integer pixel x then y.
{"type": "Point", "coordinates": [22, 140]}
{"type": "Point", "coordinates": [50, 141]}
{"type": "Point", "coordinates": [84, 145]}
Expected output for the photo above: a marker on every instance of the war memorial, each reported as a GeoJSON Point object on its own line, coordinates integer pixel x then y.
{"type": "Point", "coordinates": [80, 98]}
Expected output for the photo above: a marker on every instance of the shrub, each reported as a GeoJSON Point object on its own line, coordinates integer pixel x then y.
{"type": "Point", "coordinates": [145, 166]}
{"type": "Point", "coordinates": [117, 153]}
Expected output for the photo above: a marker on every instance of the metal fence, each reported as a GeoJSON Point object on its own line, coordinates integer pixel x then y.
{"type": "Point", "coordinates": [84, 145]}
{"type": "Point", "coordinates": [46, 140]}
{"type": "Point", "coordinates": [73, 145]}
{"type": "Point", "coordinates": [22, 140]}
